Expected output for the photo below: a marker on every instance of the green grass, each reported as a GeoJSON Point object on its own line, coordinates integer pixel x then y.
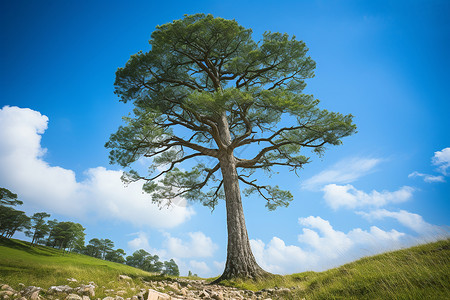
{"type": "Point", "coordinates": [421, 272]}
{"type": "Point", "coordinates": [43, 266]}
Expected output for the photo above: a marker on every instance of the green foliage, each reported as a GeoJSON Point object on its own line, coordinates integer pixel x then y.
{"type": "Point", "coordinates": [171, 268]}
{"type": "Point", "coordinates": [145, 261]}
{"type": "Point", "coordinates": [116, 256]}
{"type": "Point", "coordinates": [66, 235]}
{"type": "Point", "coordinates": [206, 90]}
{"type": "Point", "coordinates": [39, 228]}
{"type": "Point", "coordinates": [11, 220]}
{"type": "Point", "coordinates": [8, 198]}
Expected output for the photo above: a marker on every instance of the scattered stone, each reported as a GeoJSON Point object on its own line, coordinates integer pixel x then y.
{"type": "Point", "coordinates": [109, 298]}
{"type": "Point", "coordinates": [155, 295]}
{"type": "Point", "coordinates": [88, 290]}
{"type": "Point", "coordinates": [72, 280]}
{"type": "Point", "coordinates": [59, 289]}
{"type": "Point", "coordinates": [30, 291]}
{"type": "Point", "coordinates": [73, 297]}
{"type": "Point", "coordinates": [7, 287]}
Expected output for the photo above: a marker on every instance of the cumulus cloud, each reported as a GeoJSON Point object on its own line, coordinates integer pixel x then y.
{"type": "Point", "coordinates": [199, 267]}
{"type": "Point", "coordinates": [348, 196]}
{"type": "Point", "coordinates": [197, 245]}
{"type": "Point", "coordinates": [345, 171]}
{"type": "Point", "coordinates": [139, 242]}
{"type": "Point", "coordinates": [442, 160]}
{"type": "Point", "coordinates": [324, 247]}
{"type": "Point", "coordinates": [23, 169]}
{"type": "Point", "coordinates": [427, 177]}
{"type": "Point", "coordinates": [410, 220]}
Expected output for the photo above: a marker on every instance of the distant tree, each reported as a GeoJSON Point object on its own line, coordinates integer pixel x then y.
{"type": "Point", "coordinates": [11, 220]}
{"type": "Point", "coordinates": [39, 227]}
{"type": "Point", "coordinates": [116, 256]}
{"type": "Point", "coordinates": [171, 268]}
{"type": "Point", "coordinates": [190, 273]}
{"type": "Point", "coordinates": [143, 260]}
{"type": "Point", "coordinates": [50, 239]}
{"type": "Point", "coordinates": [66, 235]}
{"type": "Point", "coordinates": [205, 91]}
{"type": "Point", "coordinates": [8, 198]}
{"type": "Point", "coordinates": [106, 246]}
{"type": "Point", "coordinates": [94, 248]}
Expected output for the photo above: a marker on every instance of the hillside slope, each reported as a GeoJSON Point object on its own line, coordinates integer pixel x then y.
{"type": "Point", "coordinates": [44, 267]}
{"type": "Point", "coordinates": [421, 272]}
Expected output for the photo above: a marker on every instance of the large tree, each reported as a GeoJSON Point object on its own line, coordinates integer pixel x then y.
{"type": "Point", "coordinates": [205, 91]}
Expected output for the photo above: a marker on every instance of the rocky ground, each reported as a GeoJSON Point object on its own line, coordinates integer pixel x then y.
{"type": "Point", "coordinates": [154, 290]}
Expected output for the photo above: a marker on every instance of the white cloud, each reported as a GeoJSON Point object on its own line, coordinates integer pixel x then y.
{"type": "Point", "coordinates": [324, 247]}
{"type": "Point", "coordinates": [140, 242]}
{"type": "Point", "coordinates": [442, 160]}
{"type": "Point", "coordinates": [348, 196]}
{"type": "Point", "coordinates": [199, 267]}
{"type": "Point", "coordinates": [198, 245]}
{"type": "Point", "coordinates": [55, 189]}
{"type": "Point", "coordinates": [407, 219]}
{"type": "Point", "coordinates": [427, 177]}
{"type": "Point", "coordinates": [345, 171]}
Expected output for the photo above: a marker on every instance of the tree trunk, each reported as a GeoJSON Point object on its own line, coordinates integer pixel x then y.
{"type": "Point", "coordinates": [240, 260]}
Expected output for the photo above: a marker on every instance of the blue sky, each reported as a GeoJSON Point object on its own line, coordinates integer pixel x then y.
{"type": "Point", "coordinates": [385, 62]}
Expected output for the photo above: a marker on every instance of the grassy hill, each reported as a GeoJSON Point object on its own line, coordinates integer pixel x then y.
{"type": "Point", "coordinates": [421, 272]}
{"type": "Point", "coordinates": [43, 266]}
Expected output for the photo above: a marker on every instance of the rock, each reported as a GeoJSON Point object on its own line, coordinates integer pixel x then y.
{"type": "Point", "coordinates": [35, 295]}
{"type": "Point", "coordinates": [88, 290]}
{"type": "Point", "coordinates": [155, 295]}
{"type": "Point", "coordinates": [72, 280]}
{"type": "Point", "coordinates": [60, 289]}
{"type": "Point", "coordinates": [6, 287]}
{"type": "Point", "coordinates": [86, 298]}
{"type": "Point", "coordinates": [73, 297]}
{"type": "Point", "coordinates": [216, 296]}
{"type": "Point", "coordinates": [31, 291]}
{"type": "Point", "coordinates": [204, 294]}
{"type": "Point", "coordinates": [108, 298]}
{"type": "Point", "coordinates": [124, 277]}
{"type": "Point", "coordinates": [6, 294]}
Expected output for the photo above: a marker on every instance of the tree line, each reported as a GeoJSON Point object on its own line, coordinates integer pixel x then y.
{"type": "Point", "coordinates": [70, 237]}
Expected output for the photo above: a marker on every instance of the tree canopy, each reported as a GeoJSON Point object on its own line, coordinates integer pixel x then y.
{"type": "Point", "coordinates": [200, 69]}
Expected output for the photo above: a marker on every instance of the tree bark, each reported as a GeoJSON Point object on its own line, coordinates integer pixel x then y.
{"type": "Point", "coordinates": [240, 260]}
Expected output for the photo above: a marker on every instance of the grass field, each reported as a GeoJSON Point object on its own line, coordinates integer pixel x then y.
{"type": "Point", "coordinates": [421, 272]}
{"type": "Point", "coordinates": [43, 266]}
